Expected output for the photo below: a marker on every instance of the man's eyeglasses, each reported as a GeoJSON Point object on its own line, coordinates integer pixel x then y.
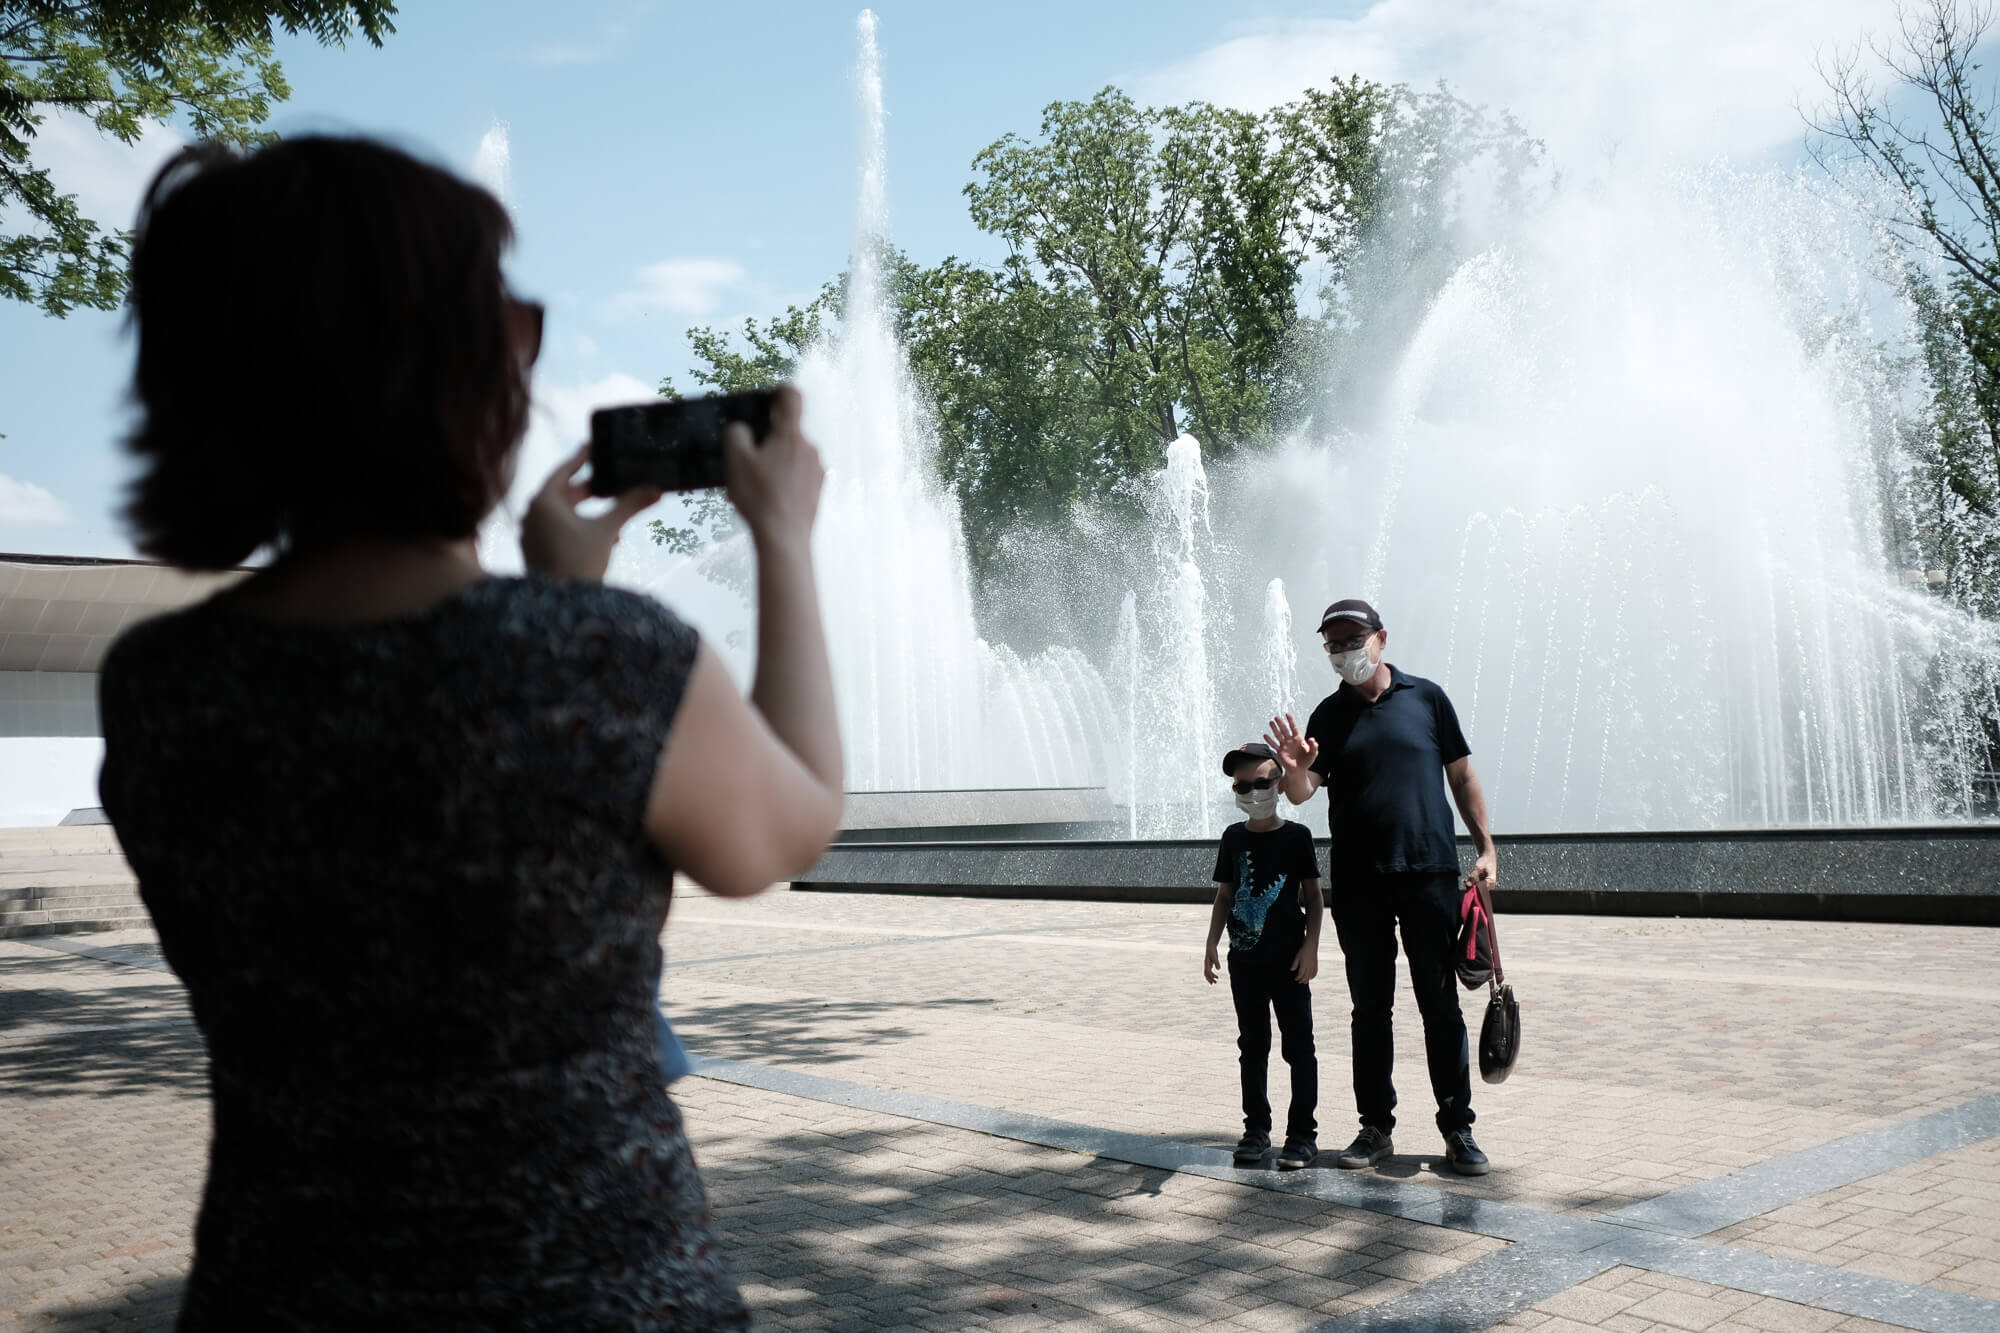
{"type": "Point", "coordinates": [1348, 645]}
{"type": "Point", "coordinates": [1261, 784]}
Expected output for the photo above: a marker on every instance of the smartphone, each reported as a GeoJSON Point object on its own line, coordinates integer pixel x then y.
{"type": "Point", "coordinates": [675, 445]}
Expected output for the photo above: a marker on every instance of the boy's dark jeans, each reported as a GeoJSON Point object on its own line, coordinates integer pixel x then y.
{"type": "Point", "coordinates": [1366, 911]}
{"type": "Point", "coordinates": [1261, 989]}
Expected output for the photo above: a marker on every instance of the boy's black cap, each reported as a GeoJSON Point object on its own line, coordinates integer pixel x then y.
{"type": "Point", "coordinates": [1353, 609]}
{"type": "Point", "coordinates": [1253, 753]}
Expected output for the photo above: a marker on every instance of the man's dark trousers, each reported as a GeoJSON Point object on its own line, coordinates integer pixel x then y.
{"type": "Point", "coordinates": [1260, 989]}
{"type": "Point", "coordinates": [1366, 912]}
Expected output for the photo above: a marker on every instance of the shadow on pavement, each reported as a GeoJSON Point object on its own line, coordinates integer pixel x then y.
{"type": "Point", "coordinates": [826, 1031]}
{"type": "Point", "coordinates": [916, 1226]}
{"type": "Point", "coordinates": [58, 1043]}
{"type": "Point", "coordinates": [145, 1307]}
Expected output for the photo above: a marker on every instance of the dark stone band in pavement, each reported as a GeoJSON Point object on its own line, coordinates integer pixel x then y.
{"type": "Point", "coordinates": [1712, 1205]}
{"type": "Point", "coordinates": [1885, 1300]}
{"type": "Point", "coordinates": [1483, 1293]}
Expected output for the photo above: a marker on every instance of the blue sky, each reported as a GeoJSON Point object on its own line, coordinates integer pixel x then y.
{"type": "Point", "coordinates": [673, 164]}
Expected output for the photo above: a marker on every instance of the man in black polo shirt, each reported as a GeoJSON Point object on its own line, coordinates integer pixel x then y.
{"type": "Point", "coordinates": [1384, 746]}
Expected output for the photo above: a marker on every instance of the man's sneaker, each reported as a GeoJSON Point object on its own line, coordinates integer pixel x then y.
{"type": "Point", "coordinates": [1462, 1155]}
{"type": "Point", "coordinates": [1298, 1154]}
{"type": "Point", "coordinates": [1252, 1149]}
{"type": "Point", "coordinates": [1370, 1146]}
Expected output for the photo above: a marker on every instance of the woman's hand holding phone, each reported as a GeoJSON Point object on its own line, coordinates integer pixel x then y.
{"type": "Point", "coordinates": [558, 541]}
{"type": "Point", "coordinates": [775, 485]}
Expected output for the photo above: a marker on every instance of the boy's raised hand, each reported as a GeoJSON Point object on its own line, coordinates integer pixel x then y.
{"type": "Point", "coordinates": [1210, 964]}
{"type": "Point", "coordinates": [1306, 965]}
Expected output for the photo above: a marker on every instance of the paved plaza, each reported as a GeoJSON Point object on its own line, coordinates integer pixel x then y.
{"type": "Point", "coordinates": [948, 1113]}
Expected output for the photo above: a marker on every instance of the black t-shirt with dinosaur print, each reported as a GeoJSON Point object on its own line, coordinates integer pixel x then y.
{"type": "Point", "coordinates": [1263, 871]}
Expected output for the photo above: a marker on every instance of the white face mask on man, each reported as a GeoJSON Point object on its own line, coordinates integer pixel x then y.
{"type": "Point", "coordinates": [1354, 666]}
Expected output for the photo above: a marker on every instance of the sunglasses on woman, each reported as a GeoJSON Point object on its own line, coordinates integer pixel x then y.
{"type": "Point", "coordinates": [525, 319]}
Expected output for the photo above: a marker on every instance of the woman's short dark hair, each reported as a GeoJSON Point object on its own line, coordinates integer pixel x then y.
{"type": "Point", "coordinates": [324, 351]}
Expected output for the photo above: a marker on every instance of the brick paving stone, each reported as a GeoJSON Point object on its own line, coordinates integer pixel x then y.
{"type": "Point", "coordinates": [103, 1133]}
{"type": "Point", "coordinates": [1926, 1222]}
{"type": "Point", "coordinates": [1658, 1054]}
{"type": "Point", "coordinates": [1631, 1300]}
{"type": "Point", "coordinates": [1780, 1039]}
{"type": "Point", "coordinates": [822, 1225]}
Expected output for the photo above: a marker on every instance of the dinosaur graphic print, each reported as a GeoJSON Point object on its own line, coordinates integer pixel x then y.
{"type": "Point", "coordinates": [1251, 905]}
{"type": "Point", "coordinates": [1259, 877]}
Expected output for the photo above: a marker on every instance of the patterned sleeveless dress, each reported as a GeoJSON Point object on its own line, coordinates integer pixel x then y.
{"type": "Point", "coordinates": [402, 869]}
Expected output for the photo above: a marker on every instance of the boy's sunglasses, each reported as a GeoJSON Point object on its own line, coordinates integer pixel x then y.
{"type": "Point", "coordinates": [1261, 784]}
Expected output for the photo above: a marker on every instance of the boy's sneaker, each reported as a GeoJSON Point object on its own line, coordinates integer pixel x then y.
{"type": "Point", "coordinates": [1462, 1155]}
{"type": "Point", "coordinates": [1370, 1146]}
{"type": "Point", "coordinates": [1297, 1154]}
{"type": "Point", "coordinates": [1252, 1149]}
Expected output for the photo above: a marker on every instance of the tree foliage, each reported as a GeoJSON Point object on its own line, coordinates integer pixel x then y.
{"type": "Point", "coordinates": [1941, 163]}
{"type": "Point", "coordinates": [771, 352]}
{"type": "Point", "coordinates": [123, 64]}
{"type": "Point", "coordinates": [1164, 270]}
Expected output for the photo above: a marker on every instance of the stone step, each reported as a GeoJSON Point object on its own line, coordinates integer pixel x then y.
{"type": "Point", "coordinates": [27, 925]}
{"type": "Point", "coordinates": [45, 880]}
{"type": "Point", "coordinates": [57, 882]}
{"type": "Point", "coordinates": [107, 916]}
{"type": "Point", "coordinates": [34, 900]}
{"type": "Point", "coordinates": [28, 864]}
{"type": "Point", "coordinates": [66, 881]}
{"type": "Point", "coordinates": [60, 841]}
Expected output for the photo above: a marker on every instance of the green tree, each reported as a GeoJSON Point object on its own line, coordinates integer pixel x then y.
{"type": "Point", "coordinates": [770, 353]}
{"type": "Point", "coordinates": [1931, 141]}
{"type": "Point", "coordinates": [1933, 145]}
{"type": "Point", "coordinates": [1150, 288]}
{"type": "Point", "coordinates": [1166, 270]}
{"type": "Point", "coordinates": [1954, 492]}
{"type": "Point", "coordinates": [124, 64]}
{"type": "Point", "coordinates": [773, 349]}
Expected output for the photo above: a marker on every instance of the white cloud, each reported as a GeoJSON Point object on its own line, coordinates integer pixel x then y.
{"type": "Point", "coordinates": [612, 35]}
{"type": "Point", "coordinates": [678, 286]}
{"type": "Point", "coordinates": [493, 164]}
{"type": "Point", "coordinates": [107, 177]}
{"type": "Point", "coordinates": [25, 502]}
{"type": "Point", "coordinates": [1693, 79]}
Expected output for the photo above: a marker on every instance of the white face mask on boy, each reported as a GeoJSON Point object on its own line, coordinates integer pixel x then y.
{"type": "Point", "coordinates": [1258, 802]}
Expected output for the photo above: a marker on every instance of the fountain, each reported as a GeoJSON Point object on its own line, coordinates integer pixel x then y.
{"type": "Point", "coordinates": [925, 702]}
{"type": "Point", "coordinates": [1622, 495]}
{"type": "Point", "coordinates": [1624, 498]}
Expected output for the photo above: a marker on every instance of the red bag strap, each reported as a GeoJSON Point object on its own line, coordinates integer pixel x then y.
{"type": "Point", "coordinates": [1499, 977]}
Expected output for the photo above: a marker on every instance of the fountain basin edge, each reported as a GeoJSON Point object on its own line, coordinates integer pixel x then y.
{"type": "Point", "coordinates": [1939, 874]}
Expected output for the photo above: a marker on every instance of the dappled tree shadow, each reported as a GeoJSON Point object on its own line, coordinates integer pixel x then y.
{"type": "Point", "coordinates": [62, 1043]}
{"type": "Point", "coordinates": [915, 1225]}
{"type": "Point", "coordinates": [820, 1031]}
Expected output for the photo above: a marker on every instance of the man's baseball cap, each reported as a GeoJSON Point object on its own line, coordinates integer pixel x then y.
{"type": "Point", "coordinates": [1253, 753]}
{"type": "Point", "coordinates": [1353, 609]}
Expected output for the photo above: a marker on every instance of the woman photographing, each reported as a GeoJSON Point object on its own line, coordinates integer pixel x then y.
{"type": "Point", "coordinates": [408, 830]}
